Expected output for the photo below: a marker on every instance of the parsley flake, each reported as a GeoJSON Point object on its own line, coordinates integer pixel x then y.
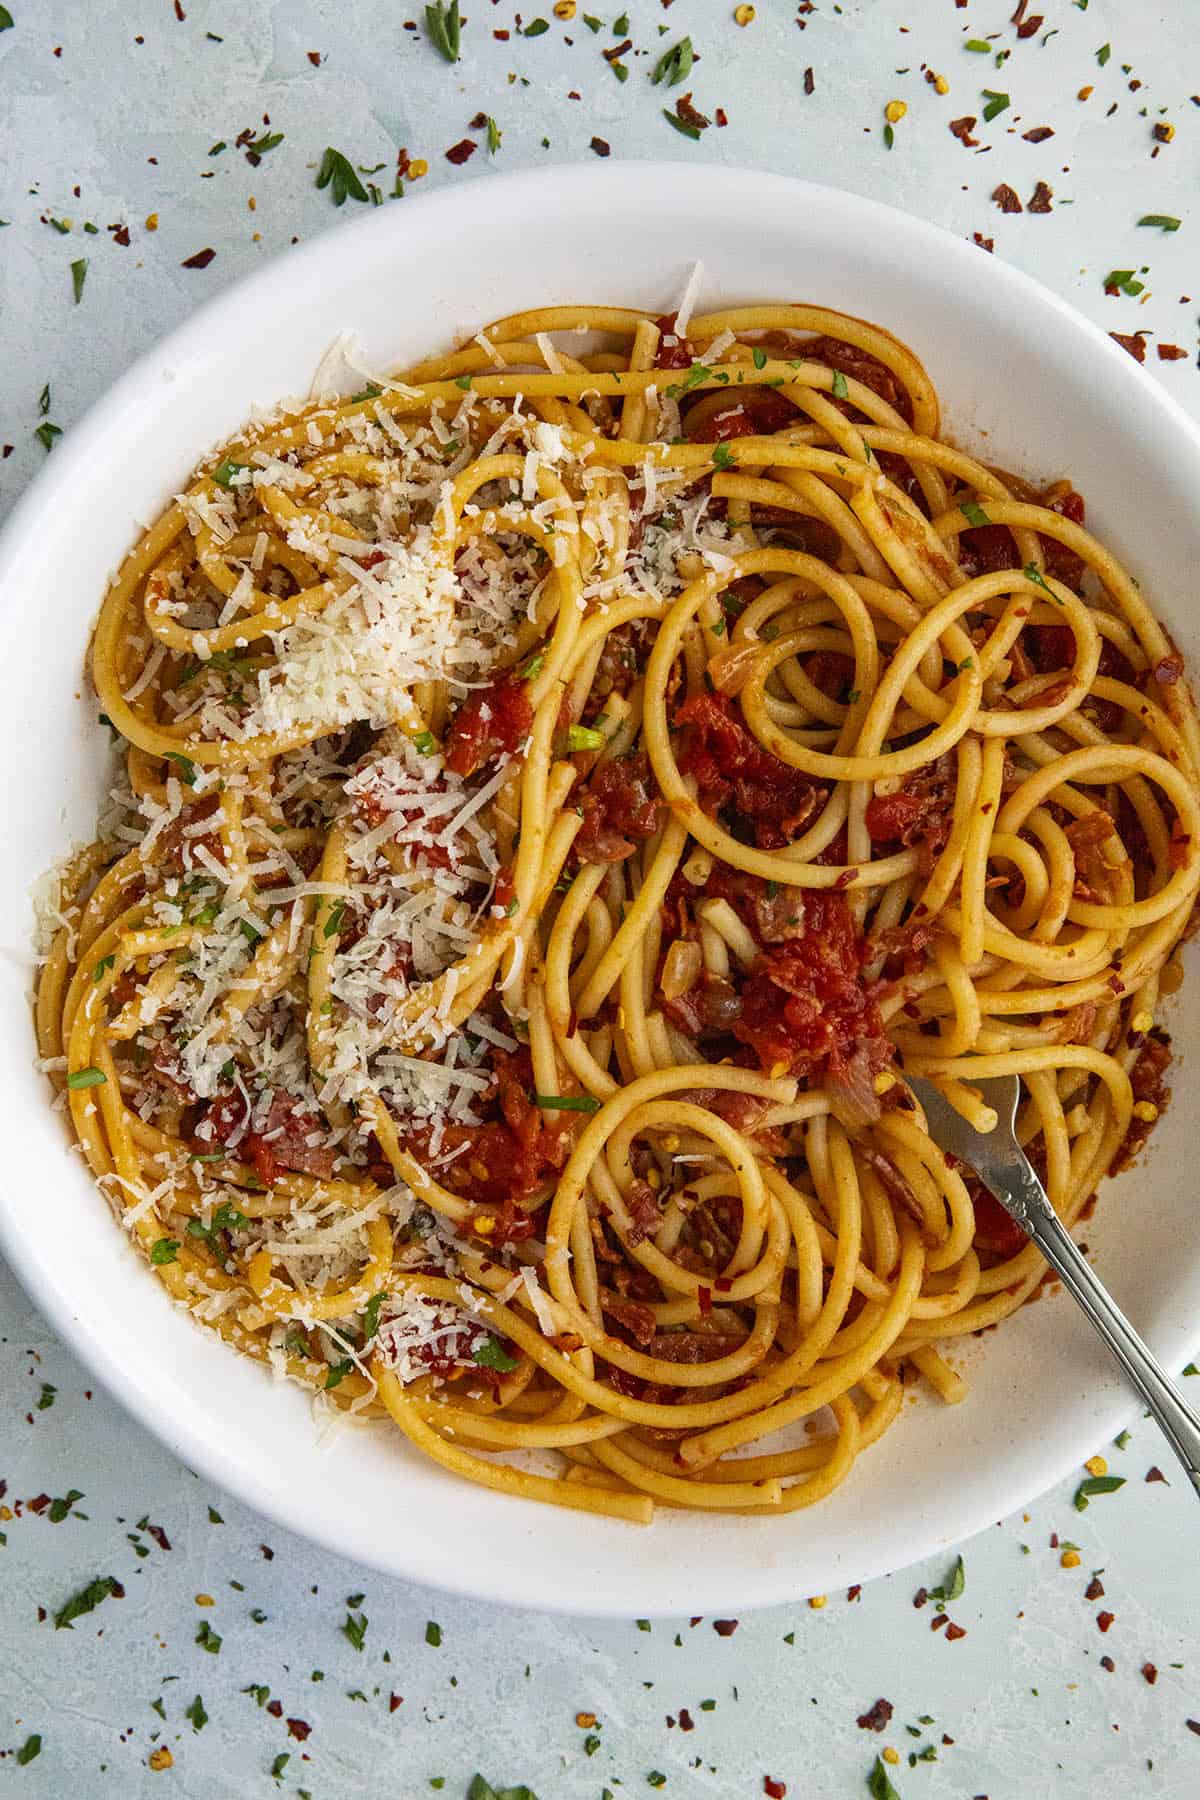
{"type": "Point", "coordinates": [337, 174]}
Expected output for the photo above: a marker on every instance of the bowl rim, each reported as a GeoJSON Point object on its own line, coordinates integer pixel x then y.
{"type": "Point", "coordinates": [42, 507]}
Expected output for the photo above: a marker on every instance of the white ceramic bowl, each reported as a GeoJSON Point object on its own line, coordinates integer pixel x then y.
{"type": "Point", "coordinates": [1025, 381]}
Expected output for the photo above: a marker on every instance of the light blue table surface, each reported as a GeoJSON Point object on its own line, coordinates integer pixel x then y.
{"type": "Point", "coordinates": [108, 111]}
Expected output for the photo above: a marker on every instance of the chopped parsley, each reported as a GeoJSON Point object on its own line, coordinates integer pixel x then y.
{"type": "Point", "coordinates": [996, 104]}
{"type": "Point", "coordinates": [1163, 221]}
{"type": "Point", "coordinates": [226, 470]}
{"type": "Point", "coordinates": [338, 1372]}
{"type": "Point", "coordinates": [433, 1634]}
{"type": "Point", "coordinates": [443, 24]}
{"type": "Point", "coordinates": [79, 271]}
{"type": "Point", "coordinates": [953, 1585]}
{"type": "Point", "coordinates": [675, 64]}
{"type": "Point", "coordinates": [185, 765]}
{"type": "Point", "coordinates": [1124, 281]}
{"type": "Point", "coordinates": [46, 1397]}
{"type": "Point", "coordinates": [371, 1316]}
{"type": "Point", "coordinates": [879, 1785]}
{"type": "Point", "coordinates": [355, 1629]}
{"type": "Point", "coordinates": [86, 1600]}
{"type": "Point", "coordinates": [226, 1218]}
{"type": "Point", "coordinates": [33, 1743]}
{"type": "Point", "coordinates": [491, 1354]}
{"type": "Point", "coordinates": [584, 1103]}
{"type": "Point", "coordinates": [208, 1639]}
{"type": "Point", "coordinates": [723, 457]}
{"type": "Point", "coordinates": [685, 130]}
{"type": "Point", "coordinates": [337, 174]}
{"type": "Point", "coordinates": [584, 737]}
{"type": "Point", "coordinates": [973, 513]}
{"type": "Point", "coordinates": [196, 1714]}
{"type": "Point", "coordinates": [1094, 1485]}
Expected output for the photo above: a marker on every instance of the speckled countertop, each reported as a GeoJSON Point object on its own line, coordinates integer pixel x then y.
{"type": "Point", "coordinates": [227, 1658]}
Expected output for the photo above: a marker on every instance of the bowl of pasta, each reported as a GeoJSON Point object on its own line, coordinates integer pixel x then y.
{"type": "Point", "coordinates": [564, 736]}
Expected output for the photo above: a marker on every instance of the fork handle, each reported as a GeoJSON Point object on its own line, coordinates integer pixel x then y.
{"type": "Point", "coordinates": [1177, 1419]}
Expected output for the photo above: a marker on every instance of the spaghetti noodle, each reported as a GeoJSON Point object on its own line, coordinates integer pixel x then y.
{"type": "Point", "coordinates": [561, 792]}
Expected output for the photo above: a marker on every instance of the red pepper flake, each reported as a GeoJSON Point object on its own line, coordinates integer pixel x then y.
{"type": "Point", "coordinates": [1169, 663]}
{"type": "Point", "coordinates": [1149, 1673]}
{"type": "Point", "coordinates": [1163, 132]}
{"type": "Point", "coordinates": [690, 114]}
{"type": "Point", "coordinates": [877, 1717]}
{"type": "Point", "coordinates": [159, 1535]}
{"type": "Point", "coordinates": [1106, 1662]}
{"type": "Point", "coordinates": [1040, 199]}
{"type": "Point", "coordinates": [809, 83]}
{"type": "Point", "coordinates": [601, 146]}
{"type": "Point", "coordinates": [855, 1592]}
{"type": "Point", "coordinates": [686, 1721]}
{"type": "Point", "coordinates": [721, 117]}
{"type": "Point", "coordinates": [936, 1623]}
{"type": "Point", "coordinates": [116, 1590]}
{"type": "Point", "coordinates": [1171, 353]}
{"type": "Point", "coordinates": [921, 1597]}
{"type": "Point", "coordinates": [1094, 1589]}
{"type": "Point", "coordinates": [502, 35]}
{"type": "Point", "coordinates": [179, 12]}
{"type": "Point", "coordinates": [395, 1701]}
{"type": "Point", "coordinates": [38, 1504]}
{"type": "Point", "coordinates": [985, 243]}
{"type": "Point", "coordinates": [725, 1627]}
{"type": "Point", "coordinates": [314, 57]}
{"type": "Point", "coordinates": [41, 1613]}
{"type": "Point", "coordinates": [953, 1632]}
{"type": "Point", "coordinates": [617, 51]}
{"type": "Point", "coordinates": [1104, 1620]}
{"type": "Point", "coordinates": [777, 1790]}
{"type": "Point", "coordinates": [120, 235]}
{"type": "Point", "coordinates": [1193, 1725]}
{"type": "Point", "coordinates": [962, 129]}
{"type": "Point", "coordinates": [298, 1729]}
{"type": "Point", "coordinates": [1054, 1540]}
{"type": "Point", "coordinates": [1038, 135]}
{"type": "Point", "coordinates": [461, 152]}
{"type": "Point", "coordinates": [478, 122]}
{"type": "Point", "coordinates": [1007, 199]}
{"type": "Point", "coordinates": [201, 259]}
{"type": "Point", "coordinates": [1134, 342]}
{"type": "Point", "coordinates": [267, 1551]}
{"type": "Point", "coordinates": [275, 1708]}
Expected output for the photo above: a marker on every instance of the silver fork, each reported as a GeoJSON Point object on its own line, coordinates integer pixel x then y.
{"type": "Point", "coordinates": [1006, 1172]}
